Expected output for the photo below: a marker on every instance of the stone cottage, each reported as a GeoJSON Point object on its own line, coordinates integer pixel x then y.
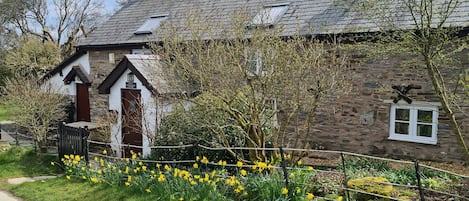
{"type": "Point", "coordinates": [367, 121]}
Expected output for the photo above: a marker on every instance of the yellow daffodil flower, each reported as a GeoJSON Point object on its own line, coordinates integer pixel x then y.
{"type": "Point", "coordinates": [284, 191]}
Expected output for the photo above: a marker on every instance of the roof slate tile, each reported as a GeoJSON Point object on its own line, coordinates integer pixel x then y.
{"type": "Point", "coordinates": [310, 16]}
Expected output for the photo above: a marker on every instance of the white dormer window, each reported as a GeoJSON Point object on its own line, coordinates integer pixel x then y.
{"type": "Point", "coordinates": [151, 24]}
{"type": "Point", "coordinates": [270, 15]}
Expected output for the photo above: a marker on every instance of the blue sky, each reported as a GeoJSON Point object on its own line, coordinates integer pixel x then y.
{"type": "Point", "coordinates": [109, 5]}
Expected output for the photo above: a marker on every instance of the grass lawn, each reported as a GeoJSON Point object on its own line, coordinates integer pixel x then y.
{"type": "Point", "coordinates": [62, 189]}
{"type": "Point", "coordinates": [23, 161]}
{"type": "Point", "coordinates": [3, 114]}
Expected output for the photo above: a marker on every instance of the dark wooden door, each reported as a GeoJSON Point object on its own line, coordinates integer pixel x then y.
{"type": "Point", "coordinates": [131, 120]}
{"type": "Point", "coordinates": [83, 103]}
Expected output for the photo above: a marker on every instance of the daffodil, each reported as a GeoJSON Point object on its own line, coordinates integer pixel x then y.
{"type": "Point", "coordinates": [284, 191]}
{"type": "Point", "coordinates": [239, 164]}
{"type": "Point", "coordinates": [195, 166]}
{"type": "Point", "coordinates": [161, 178]}
{"type": "Point", "coordinates": [244, 173]}
{"type": "Point", "coordinates": [300, 162]}
{"type": "Point", "coordinates": [94, 179]}
{"type": "Point", "coordinates": [104, 152]}
{"type": "Point", "coordinates": [167, 168]}
{"type": "Point", "coordinates": [204, 160]}
{"type": "Point", "coordinates": [340, 198]}
{"type": "Point", "coordinates": [148, 190]}
{"type": "Point", "coordinates": [68, 177]}
{"type": "Point", "coordinates": [309, 196]}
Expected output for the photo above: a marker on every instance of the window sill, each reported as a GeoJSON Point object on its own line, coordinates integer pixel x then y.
{"type": "Point", "coordinates": [407, 139]}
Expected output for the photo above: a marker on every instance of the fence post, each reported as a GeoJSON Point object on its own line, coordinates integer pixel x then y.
{"type": "Point", "coordinates": [59, 146]}
{"type": "Point", "coordinates": [345, 175]}
{"type": "Point", "coordinates": [284, 167]}
{"type": "Point", "coordinates": [84, 141]}
{"type": "Point", "coordinates": [419, 183]}
{"type": "Point", "coordinates": [196, 150]}
{"type": "Point", "coordinates": [16, 137]}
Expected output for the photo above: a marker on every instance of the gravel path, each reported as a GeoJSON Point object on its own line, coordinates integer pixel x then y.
{"type": "Point", "coordinates": [6, 196]}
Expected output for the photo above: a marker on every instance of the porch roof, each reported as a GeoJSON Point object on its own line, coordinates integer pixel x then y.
{"type": "Point", "coordinates": [147, 69]}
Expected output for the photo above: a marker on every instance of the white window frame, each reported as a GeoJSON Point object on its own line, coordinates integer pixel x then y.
{"type": "Point", "coordinates": [256, 58]}
{"type": "Point", "coordinates": [413, 115]}
{"type": "Point", "coordinates": [253, 58]}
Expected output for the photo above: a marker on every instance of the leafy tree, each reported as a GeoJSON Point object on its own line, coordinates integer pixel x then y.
{"type": "Point", "coordinates": [33, 57]}
{"type": "Point", "coordinates": [61, 22]}
{"type": "Point", "coordinates": [422, 30]}
{"type": "Point", "coordinates": [34, 107]}
{"type": "Point", "coordinates": [265, 83]}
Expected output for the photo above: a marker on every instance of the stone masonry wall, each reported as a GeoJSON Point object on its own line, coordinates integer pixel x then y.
{"type": "Point", "coordinates": [100, 69]}
{"type": "Point", "coordinates": [359, 122]}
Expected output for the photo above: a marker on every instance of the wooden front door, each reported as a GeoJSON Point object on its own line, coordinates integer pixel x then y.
{"type": "Point", "coordinates": [131, 120]}
{"type": "Point", "coordinates": [83, 103]}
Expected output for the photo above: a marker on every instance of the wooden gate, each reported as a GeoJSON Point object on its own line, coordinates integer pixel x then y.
{"type": "Point", "coordinates": [73, 141]}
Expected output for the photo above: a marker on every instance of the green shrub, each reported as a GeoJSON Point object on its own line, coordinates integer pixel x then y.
{"type": "Point", "coordinates": [366, 163]}
{"type": "Point", "coordinates": [198, 126]}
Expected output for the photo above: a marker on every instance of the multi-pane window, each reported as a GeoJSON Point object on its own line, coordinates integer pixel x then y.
{"type": "Point", "coordinates": [253, 62]}
{"type": "Point", "coordinates": [414, 123]}
{"type": "Point", "coordinates": [259, 63]}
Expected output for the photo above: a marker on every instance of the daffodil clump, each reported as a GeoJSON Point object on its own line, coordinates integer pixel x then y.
{"type": "Point", "coordinates": [258, 181]}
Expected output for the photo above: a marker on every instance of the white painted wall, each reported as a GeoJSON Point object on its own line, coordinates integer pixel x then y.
{"type": "Point", "coordinates": [56, 84]}
{"type": "Point", "coordinates": [152, 112]}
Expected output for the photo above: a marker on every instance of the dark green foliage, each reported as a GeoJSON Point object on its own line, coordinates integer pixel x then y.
{"type": "Point", "coordinates": [366, 163]}
{"type": "Point", "coordinates": [198, 126]}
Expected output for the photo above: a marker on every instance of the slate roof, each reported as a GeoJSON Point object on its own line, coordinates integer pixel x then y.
{"type": "Point", "coordinates": [314, 17]}
{"type": "Point", "coordinates": [62, 65]}
{"type": "Point", "coordinates": [142, 66]}
{"type": "Point", "coordinates": [77, 71]}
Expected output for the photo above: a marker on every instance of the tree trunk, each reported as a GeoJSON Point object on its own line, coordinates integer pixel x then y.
{"type": "Point", "coordinates": [255, 141]}
{"type": "Point", "coordinates": [440, 89]}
